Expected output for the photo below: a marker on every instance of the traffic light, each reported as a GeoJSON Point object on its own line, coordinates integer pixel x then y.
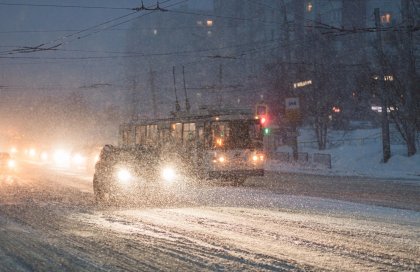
{"type": "Point", "coordinates": [263, 120]}
{"type": "Point", "coordinates": [267, 131]}
{"type": "Point", "coordinates": [261, 109]}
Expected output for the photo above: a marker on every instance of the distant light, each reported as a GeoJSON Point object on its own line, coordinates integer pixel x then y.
{"type": "Point", "coordinates": [386, 18]}
{"type": "Point", "coordinates": [376, 109]}
{"type": "Point", "coordinates": [209, 23]}
{"type": "Point", "coordinates": [309, 7]}
{"type": "Point", "coordinates": [11, 164]}
{"type": "Point", "coordinates": [13, 150]}
{"type": "Point", "coordinates": [336, 109]}
{"type": "Point", "coordinates": [209, 32]}
{"type": "Point", "coordinates": [32, 152]}
{"type": "Point", "coordinates": [389, 78]}
{"type": "Point", "coordinates": [155, 32]}
{"type": "Point", "coordinates": [302, 84]}
{"type": "Point", "coordinates": [44, 156]}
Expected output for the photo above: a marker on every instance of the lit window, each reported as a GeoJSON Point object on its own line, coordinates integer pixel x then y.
{"type": "Point", "coordinates": [200, 23]}
{"type": "Point", "coordinates": [155, 31]}
{"type": "Point", "coordinates": [209, 33]}
{"type": "Point", "coordinates": [389, 78]}
{"type": "Point", "coordinates": [309, 7]}
{"type": "Point", "coordinates": [209, 23]}
{"type": "Point", "coordinates": [386, 18]}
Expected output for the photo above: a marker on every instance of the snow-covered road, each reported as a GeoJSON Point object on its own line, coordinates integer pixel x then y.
{"type": "Point", "coordinates": [48, 222]}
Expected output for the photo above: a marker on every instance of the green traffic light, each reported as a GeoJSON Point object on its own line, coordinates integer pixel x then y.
{"type": "Point", "coordinates": [267, 131]}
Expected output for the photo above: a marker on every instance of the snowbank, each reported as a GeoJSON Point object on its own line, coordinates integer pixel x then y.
{"type": "Point", "coordinates": [353, 153]}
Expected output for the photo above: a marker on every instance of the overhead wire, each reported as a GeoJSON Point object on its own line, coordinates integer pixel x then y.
{"type": "Point", "coordinates": [63, 6]}
{"type": "Point", "coordinates": [268, 49]}
{"type": "Point", "coordinates": [64, 39]}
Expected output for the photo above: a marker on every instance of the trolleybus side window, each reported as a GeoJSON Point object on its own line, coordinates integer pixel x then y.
{"type": "Point", "coordinates": [177, 132]}
{"type": "Point", "coordinates": [127, 136]}
{"type": "Point", "coordinates": [164, 135]}
{"type": "Point", "coordinates": [140, 134]}
{"type": "Point", "coordinates": [208, 143]}
{"type": "Point", "coordinates": [189, 133]}
{"type": "Point", "coordinates": [152, 133]}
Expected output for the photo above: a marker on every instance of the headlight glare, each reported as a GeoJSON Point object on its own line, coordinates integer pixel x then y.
{"type": "Point", "coordinates": [11, 164]}
{"type": "Point", "coordinates": [168, 174]}
{"type": "Point", "coordinates": [124, 175]}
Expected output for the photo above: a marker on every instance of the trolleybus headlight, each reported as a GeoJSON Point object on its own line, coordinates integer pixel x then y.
{"type": "Point", "coordinates": [220, 159]}
{"type": "Point", "coordinates": [168, 174]}
{"type": "Point", "coordinates": [124, 175]}
{"type": "Point", "coordinates": [258, 157]}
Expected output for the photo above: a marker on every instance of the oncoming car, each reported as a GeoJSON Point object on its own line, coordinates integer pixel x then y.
{"type": "Point", "coordinates": [6, 162]}
{"type": "Point", "coordinates": [224, 145]}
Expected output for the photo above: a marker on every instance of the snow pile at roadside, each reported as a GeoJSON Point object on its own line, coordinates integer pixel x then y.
{"type": "Point", "coordinates": [354, 153]}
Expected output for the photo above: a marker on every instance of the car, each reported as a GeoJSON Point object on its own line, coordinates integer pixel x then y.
{"type": "Point", "coordinates": [6, 161]}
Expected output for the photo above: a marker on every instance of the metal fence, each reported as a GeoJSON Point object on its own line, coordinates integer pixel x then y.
{"type": "Point", "coordinates": [304, 158]}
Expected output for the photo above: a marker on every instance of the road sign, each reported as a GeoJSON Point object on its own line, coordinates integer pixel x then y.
{"type": "Point", "coordinates": [292, 103]}
{"type": "Point", "coordinates": [293, 109]}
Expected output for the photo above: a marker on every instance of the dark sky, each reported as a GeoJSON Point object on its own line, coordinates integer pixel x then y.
{"type": "Point", "coordinates": [83, 59]}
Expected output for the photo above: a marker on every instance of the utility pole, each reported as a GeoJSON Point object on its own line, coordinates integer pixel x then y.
{"type": "Point", "coordinates": [187, 102]}
{"type": "Point", "coordinates": [134, 100]}
{"type": "Point", "coordinates": [287, 73]}
{"type": "Point", "coordinates": [177, 106]}
{"type": "Point", "coordinates": [153, 90]}
{"type": "Point", "coordinates": [220, 85]}
{"type": "Point", "coordinates": [386, 142]}
{"type": "Point", "coordinates": [409, 61]}
{"type": "Point", "coordinates": [287, 52]}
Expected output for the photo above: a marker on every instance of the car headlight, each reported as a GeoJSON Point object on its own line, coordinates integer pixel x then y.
{"type": "Point", "coordinates": [220, 159]}
{"type": "Point", "coordinates": [78, 159]}
{"type": "Point", "coordinates": [61, 157]}
{"type": "Point", "coordinates": [44, 156]}
{"type": "Point", "coordinates": [124, 176]}
{"type": "Point", "coordinates": [168, 174]}
{"type": "Point", "coordinates": [11, 164]}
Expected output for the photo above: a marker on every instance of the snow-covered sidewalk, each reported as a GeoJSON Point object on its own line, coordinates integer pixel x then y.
{"type": "Point", "coordinates": [354, 158]}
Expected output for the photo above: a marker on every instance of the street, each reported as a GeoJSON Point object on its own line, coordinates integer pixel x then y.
{"type": "Point", "coordinates": [49, 222]}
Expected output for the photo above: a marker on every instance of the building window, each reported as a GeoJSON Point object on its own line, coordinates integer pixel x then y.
{"type": "Point", "coordinates": [209, 23]}
{"type": "Point", "coordinates": [386, 18]}
{"type": "Point", "coordinates": [309, 7]}
{"type": "Point", "coordinates": [155, 32]}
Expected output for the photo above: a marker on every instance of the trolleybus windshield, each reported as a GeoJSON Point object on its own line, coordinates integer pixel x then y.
{"type": "Point", "coordinates": [236, 135]}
